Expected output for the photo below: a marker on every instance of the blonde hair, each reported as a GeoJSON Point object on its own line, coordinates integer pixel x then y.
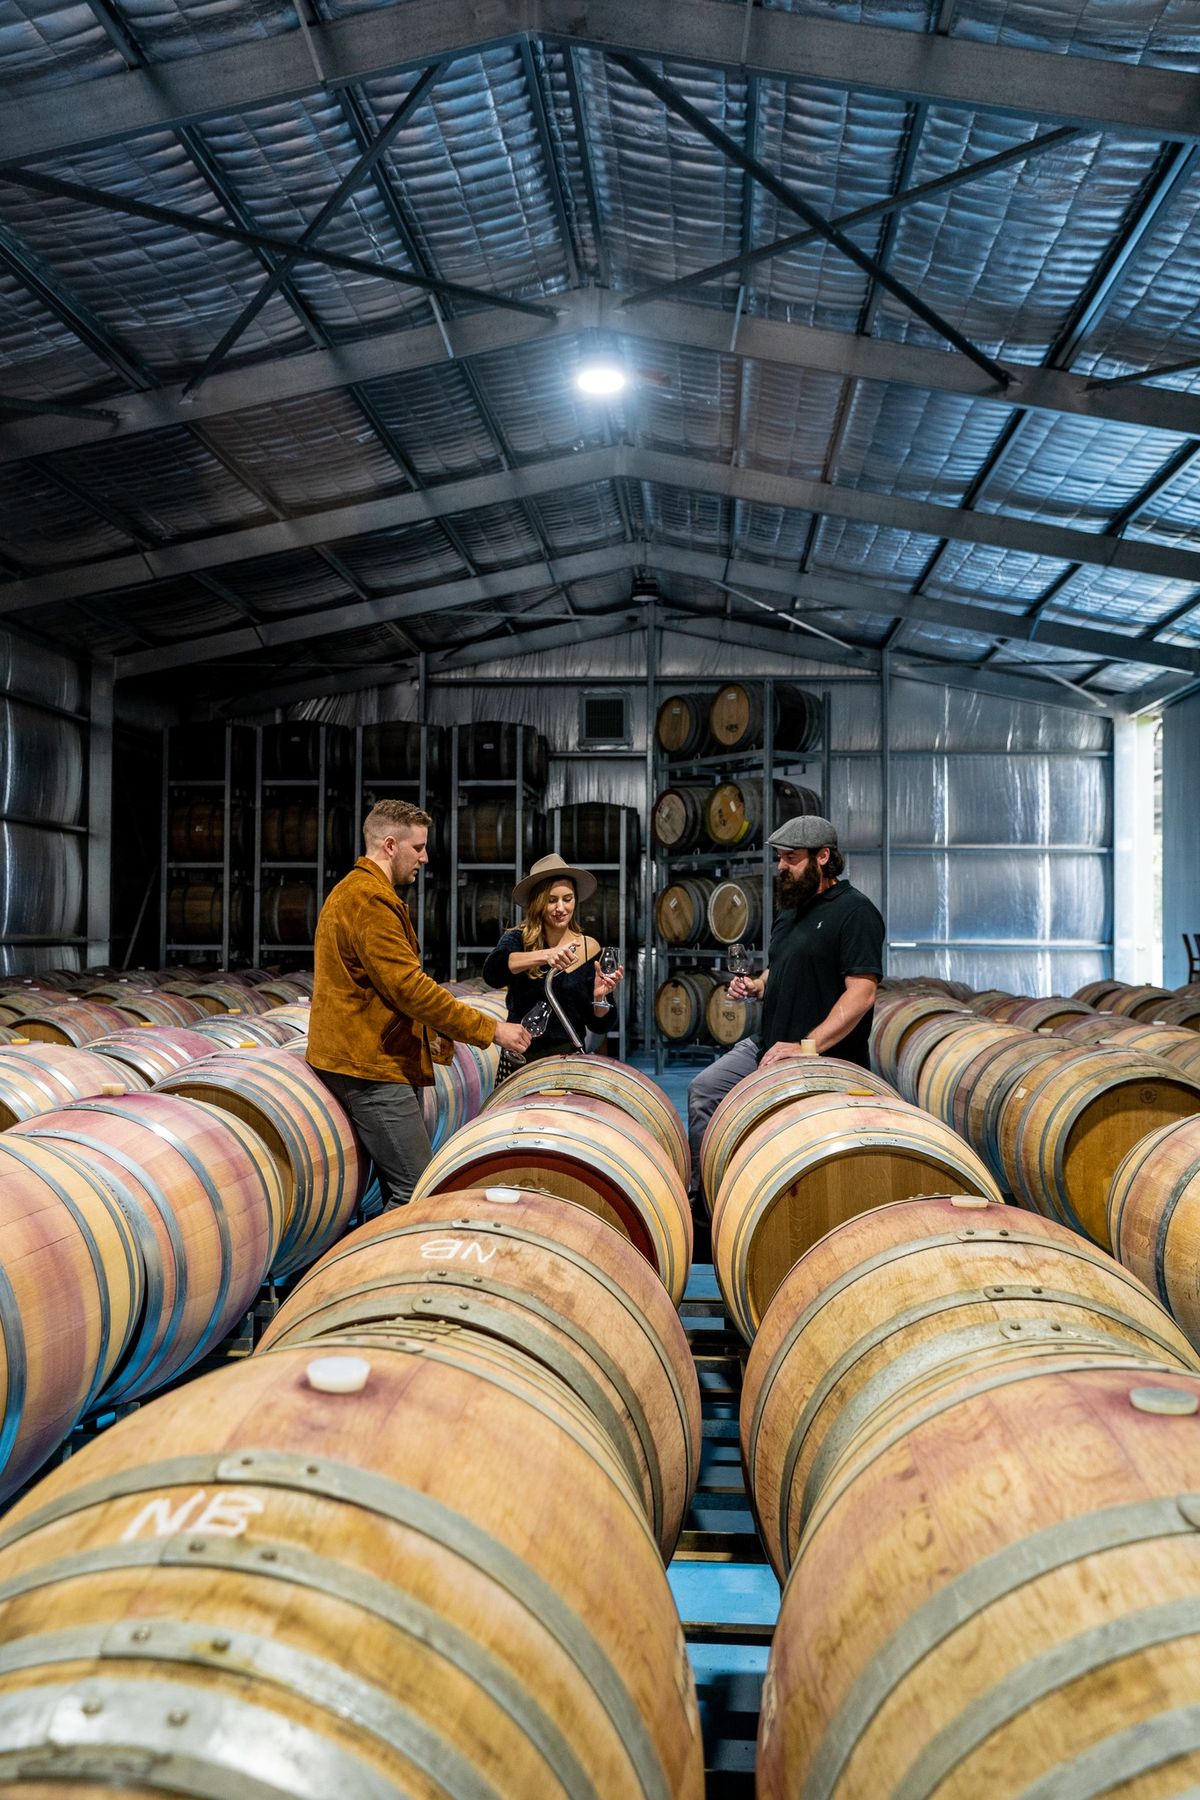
{"type": "Point", "coordinates": [533, 925]}
{"type": "Point", "coordinates": [387, 816]}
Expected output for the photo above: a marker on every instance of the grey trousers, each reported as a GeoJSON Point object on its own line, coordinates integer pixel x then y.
{"type": "Point", "coordinates": [708, 1089]}
{"type": "Point", "coordinates": [390, 1125]}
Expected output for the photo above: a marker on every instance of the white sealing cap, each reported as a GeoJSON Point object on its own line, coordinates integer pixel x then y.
{"type": "Point", "coordinates": [1176, 1402]}
{"type": "Point", "coordinates": [502, 1196]}
{"type": "Point", "coordinates": [971, 1201]}
{"type": "Point", "coordinates": [338, 1374]}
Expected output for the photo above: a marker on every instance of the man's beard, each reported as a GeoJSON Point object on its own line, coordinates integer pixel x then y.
{"type": "Point", "coordinates": [797, 890]}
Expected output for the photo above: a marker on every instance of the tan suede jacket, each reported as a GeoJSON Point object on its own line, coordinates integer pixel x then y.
{"type": "Point", "coordinates": [375, 1012]}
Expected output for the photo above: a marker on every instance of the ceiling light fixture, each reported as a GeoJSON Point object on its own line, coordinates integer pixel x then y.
{"type": "Point", "coordinates": [600, 379]}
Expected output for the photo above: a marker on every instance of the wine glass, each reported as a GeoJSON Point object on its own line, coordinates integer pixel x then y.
{"type": "Point", "coordinates": [738, 960]}
{"type": "Point", "coordinates": [610, 960]}
{"type": "Point", "coordinates": [535, 1023]}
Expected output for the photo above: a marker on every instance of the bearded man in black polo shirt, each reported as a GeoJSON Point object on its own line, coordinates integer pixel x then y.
{"type": "Point", "coordinates": [823, 966]}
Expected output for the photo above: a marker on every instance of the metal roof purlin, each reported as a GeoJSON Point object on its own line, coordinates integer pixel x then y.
{"type": "Point", "coordinates": [828, 593]}
{"type": "Point", "coordinates": [747, 259]}
{"type": "Point", "coordinates": [789, 197]}
{"type": "Point", "coordinates": [1081, 90]}
{"type": "Point", "coordinates": [350, 181]}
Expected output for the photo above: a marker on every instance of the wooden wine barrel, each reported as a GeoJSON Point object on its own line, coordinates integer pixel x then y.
{"type": "Point", "coordinates": [600, 915]}
{"type": "Point", "coordinates": [605, 1079]}
{"type": "Point", "coordinates": [768, 1093]}
{"type": "Point", "coordinates": [1154, 1217]}
{"type": "Point", "coordinates": [828, 1157]}
{"type": "Point", "coordinates": [196, 830]}
{"type": "Point", "coordinates": [72, 1289]}
{"type": "Point", "coordinates": [1182, 1010]}
{"type": "Point", "coordinates": [733, 811]}
{"type": "Point", "coordinates": [735, 910]}
{"type": "Point", "coordinates": [555, 1283]}
{"type": "Point", "coordinates": [226, 995]}
{"type": "Point", "coordinates": [587, 1151]}
{"type": "Point", "coordinates": [1098, 993]}
{"type": "Point", "coordinates": [892, 1296]}
{"type": "Point", "coordinates": [305, 1131]}
{"type": "Point", "coordinates": [1116, 1033]}
{"type": "Point", "coordinates": [681, 726]}
{"type": "Point", "coordinates": [591, 831]}
{"type": "Point", "coordinates": [146, 1004]}
{"type": "Point", "coordinates": [41, 1078]}
{"type": "Point", "coordinates": [1065, 1130]}
{"type": "Point", "coordinates": [206, 1207]}
{"type": "Point", "coordinates": [933, 1639]}
{"type": "Point", "coordinates": [358, 1600]}
{"type": "Point", "coordinates": [980, 1089]}
{"type": "Point", "coordinates": [291, 751]}
{"type": "Point", "coordinates": [75, 1022]}
{"type": "Point", "coordinates": [290, 830]}
{"type": "Point", "coordinates": [289, 913]}
{"type": "Point", "coordinates": [919, 1044]}
{"type": "Point", "coordinates": [151, 1052]}
{"type": "Point", "coordinates": [281, 990]}
{"type": "Point", "coordinates": [485, 909]}
{"type": "Point", "coordinates": [681, 910]}
{"type": "Point", "coordinates": [1034, 1015]}
{"type": "Point", "coordinates": [736, 719]}
{"type": "Point", "coordinates": [1139, 1002]}
{"type": "Point", "coordinates": [681, 1005]}
{"type": "Point", "coordinates": [235, 1031]}
{"type": "Point", "coordinates": [391, 752]}
{"type": "Point", "coordinates": [729, 1021]}
{"type": "Point", "coordinates": [945, 1062]}
{"type": "Point", "coordinates": [487, 751]}
{"type": "Point", "coordinates": [1185, 1056]}
{"type": "Point", "coordinates": [196, 912]}
{"type": "Point", "coordinates": [444, 1103]}
{"type": "Point", "coordinates": [894, 1018]}
{"type": "Point", "coordinates": [292, 1020]}
{"type": "Point", "coordinates": [677, 821]}
{"type": "Point", "coordinates": [21, 1003]}
{"type": "Point", "coordinates": [487, 833]}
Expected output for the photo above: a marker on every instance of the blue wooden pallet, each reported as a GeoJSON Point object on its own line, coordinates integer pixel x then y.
{"type": "Point", "coordinates": [727, 1595]}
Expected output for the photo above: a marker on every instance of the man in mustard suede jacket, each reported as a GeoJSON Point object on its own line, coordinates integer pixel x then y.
{"type": "Point", "coordinates": [378, 1023]}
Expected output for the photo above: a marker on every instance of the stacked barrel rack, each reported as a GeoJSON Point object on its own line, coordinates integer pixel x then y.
{"type": "Point", "coordinates": [497, 829]}
{"type": "Point", "coordinates": [404, 760]}
{"type": "Point", "coordinates": [207, 869]}
{"type": "Point", "coordinates": [303, 833]}
{"type": "Point", "coordinates": [607, 840]}
{"type": "Point", "coordinates": [720, 792]}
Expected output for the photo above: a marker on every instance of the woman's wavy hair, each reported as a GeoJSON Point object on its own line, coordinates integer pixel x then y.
{"type": "Point", "coordinates": [533, 925]}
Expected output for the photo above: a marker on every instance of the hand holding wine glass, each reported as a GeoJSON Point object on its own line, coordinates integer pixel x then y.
{"type": "Point", "coordinates": [739, 961]}
{"type": "Point", "coordinates": [608, 973]}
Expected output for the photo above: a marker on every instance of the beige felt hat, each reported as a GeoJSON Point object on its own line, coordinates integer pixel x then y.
{"type": "Point", "coordinates": [553, 868]}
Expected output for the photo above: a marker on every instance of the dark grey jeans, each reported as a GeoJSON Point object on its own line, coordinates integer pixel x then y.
{"type": "Point", "coordinates": [708, 1089]}
{"type": "Point", "coordinates": [390, 1125]}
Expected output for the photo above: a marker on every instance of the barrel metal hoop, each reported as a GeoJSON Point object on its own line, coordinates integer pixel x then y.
{"type": "Point", "coordinates": [943, 1352]}
{"type": "Point", "coordinates": [1034, 1681]}
{"type": "Point", "coordinates": [1123, 1757]}
{"type": "Point", "coordinates": [265, 1661]}
{"type": "Point", "coordinates": [63, 1196]}
{"type": "Point", "coordinates": [413, 1511]}
{"type": "Point", "coordinates": [476, 1315]}
{"type": "Point", "coordinates": [339, 1581]}
{"type": "Point", "coordinates": [1164, 1226]}
{"type": "Point", "coordinates": [177, 1739]}
{"type": "Point", "coordinates": [928, 1354]}
{"type": "Point", "coordinates": [498, 1228]}
{"type": "Point", "coordinates": [220, 1216]}
{"type": "Point", "coordinates": [130, 1369]}
{"type": "Point", "coordinates": [993, 1579]}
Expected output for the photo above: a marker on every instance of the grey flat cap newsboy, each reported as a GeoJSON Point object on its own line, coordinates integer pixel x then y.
{"type": "Point", "coordinates": [805, 833]}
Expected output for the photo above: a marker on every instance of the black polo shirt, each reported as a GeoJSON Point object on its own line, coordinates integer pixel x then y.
{"type": "Point", "coordinates": [812, 951]}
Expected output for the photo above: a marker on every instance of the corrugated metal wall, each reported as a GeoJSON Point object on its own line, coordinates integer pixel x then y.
{"type": "Point", "coordinates": [42, 809]}
{"type": "Point", "coordinates": [1180, 835]}
{"type": "Point", "coordinates": [997, 812]}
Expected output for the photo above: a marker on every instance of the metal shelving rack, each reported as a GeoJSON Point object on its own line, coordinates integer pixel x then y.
{"type": "Point", "coordinates": [418, 789]}
{"type": "Point", "coordinates": [523, 794]}
{"type": "Point", "coordinates": [324, 786]}
{"type": "Point", "coordinates": [761, 761]}
{"type": "Point", "coordinates": [232, 785]}
{"type": "Point", "coordinates": [625, 869]}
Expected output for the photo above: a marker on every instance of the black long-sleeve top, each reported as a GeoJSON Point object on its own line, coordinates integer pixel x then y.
{"type": "Point", "coordinates": [573, 990]}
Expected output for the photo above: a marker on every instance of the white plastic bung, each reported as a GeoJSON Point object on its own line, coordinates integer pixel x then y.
{"type": "Point", "coordinates": [338, 1374]}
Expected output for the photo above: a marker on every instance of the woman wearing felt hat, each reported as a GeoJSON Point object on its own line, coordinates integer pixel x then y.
{"type": "Point", "coordinates": [549, 938]}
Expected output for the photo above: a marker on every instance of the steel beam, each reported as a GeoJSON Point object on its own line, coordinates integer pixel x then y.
{"type": "Point", "coordinates": [394, 512]}
{"type": "Point", "coordinates": [663, 322]}
{"type": "Point", "coordinates": [1085, 91]}
{"type": "Point", "coordinates": [822, 593]}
